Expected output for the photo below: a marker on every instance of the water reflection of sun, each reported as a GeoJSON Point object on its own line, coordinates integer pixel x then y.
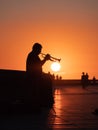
{"type": "Point", "coordinates": [58, 103]}
{"type": "Point", "coordinates": [61, 103]}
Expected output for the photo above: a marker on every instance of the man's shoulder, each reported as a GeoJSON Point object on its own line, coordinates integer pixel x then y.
{"type": "Point", "coordinates": [31, 53]}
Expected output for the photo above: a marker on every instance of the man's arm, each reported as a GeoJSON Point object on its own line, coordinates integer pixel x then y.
{"type": "Point", "coordinates": [47, 57]}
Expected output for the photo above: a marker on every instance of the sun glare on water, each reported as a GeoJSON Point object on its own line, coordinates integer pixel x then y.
{"type": "Point", "coordinates": [55, 66]}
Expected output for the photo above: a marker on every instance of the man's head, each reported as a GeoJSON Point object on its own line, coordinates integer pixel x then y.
{"type": "Point", "coordinates": [37, 48]}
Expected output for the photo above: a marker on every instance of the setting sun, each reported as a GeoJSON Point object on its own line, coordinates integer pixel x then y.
{"type": "Point", "coordinates": [55, 66]}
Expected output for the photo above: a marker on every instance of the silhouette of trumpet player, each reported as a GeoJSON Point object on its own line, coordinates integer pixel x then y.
{"type": "Point", "coordinates": [33, 63]}
{"type": "Point", "coordinates": [41, 82]}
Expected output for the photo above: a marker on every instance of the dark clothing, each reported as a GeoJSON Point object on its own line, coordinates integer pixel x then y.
{"type": "Point", "coordinates": [34, 64]}
{"type": "Point", "coordinates": [41, 83]}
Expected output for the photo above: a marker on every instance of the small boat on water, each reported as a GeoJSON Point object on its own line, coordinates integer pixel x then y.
{"type": "Point", "coordinates": [17, 94]}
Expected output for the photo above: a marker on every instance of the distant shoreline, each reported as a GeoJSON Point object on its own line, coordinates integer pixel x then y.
{"type": "Point", "coordinates": [71, 82]}
{"type": "Point", "coordinates": [5, 73]}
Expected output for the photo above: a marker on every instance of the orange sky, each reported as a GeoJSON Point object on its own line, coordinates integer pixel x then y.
{"type": "Point", "coordinates": [67, 29]}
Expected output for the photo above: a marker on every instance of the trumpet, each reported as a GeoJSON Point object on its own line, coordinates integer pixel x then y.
{"type": "Point", "coordinates": [51, 57]}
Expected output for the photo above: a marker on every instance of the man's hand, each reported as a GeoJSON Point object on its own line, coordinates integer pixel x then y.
{"type": "Point", "coordinates": [47, 57]}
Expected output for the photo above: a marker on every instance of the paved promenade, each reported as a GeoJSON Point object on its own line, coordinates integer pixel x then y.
{"type": "Point", "coordinates": [72, 109]}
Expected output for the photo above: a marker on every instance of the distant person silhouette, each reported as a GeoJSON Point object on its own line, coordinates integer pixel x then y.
{"type": "Point", "coordinates": [87, 79]}
{"type": "Point", "coordinates": [84, 80]}
{"type": "Point", "coordinates": [41, 84]}
{"type": "Point", "coordinates": [94, 80]}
